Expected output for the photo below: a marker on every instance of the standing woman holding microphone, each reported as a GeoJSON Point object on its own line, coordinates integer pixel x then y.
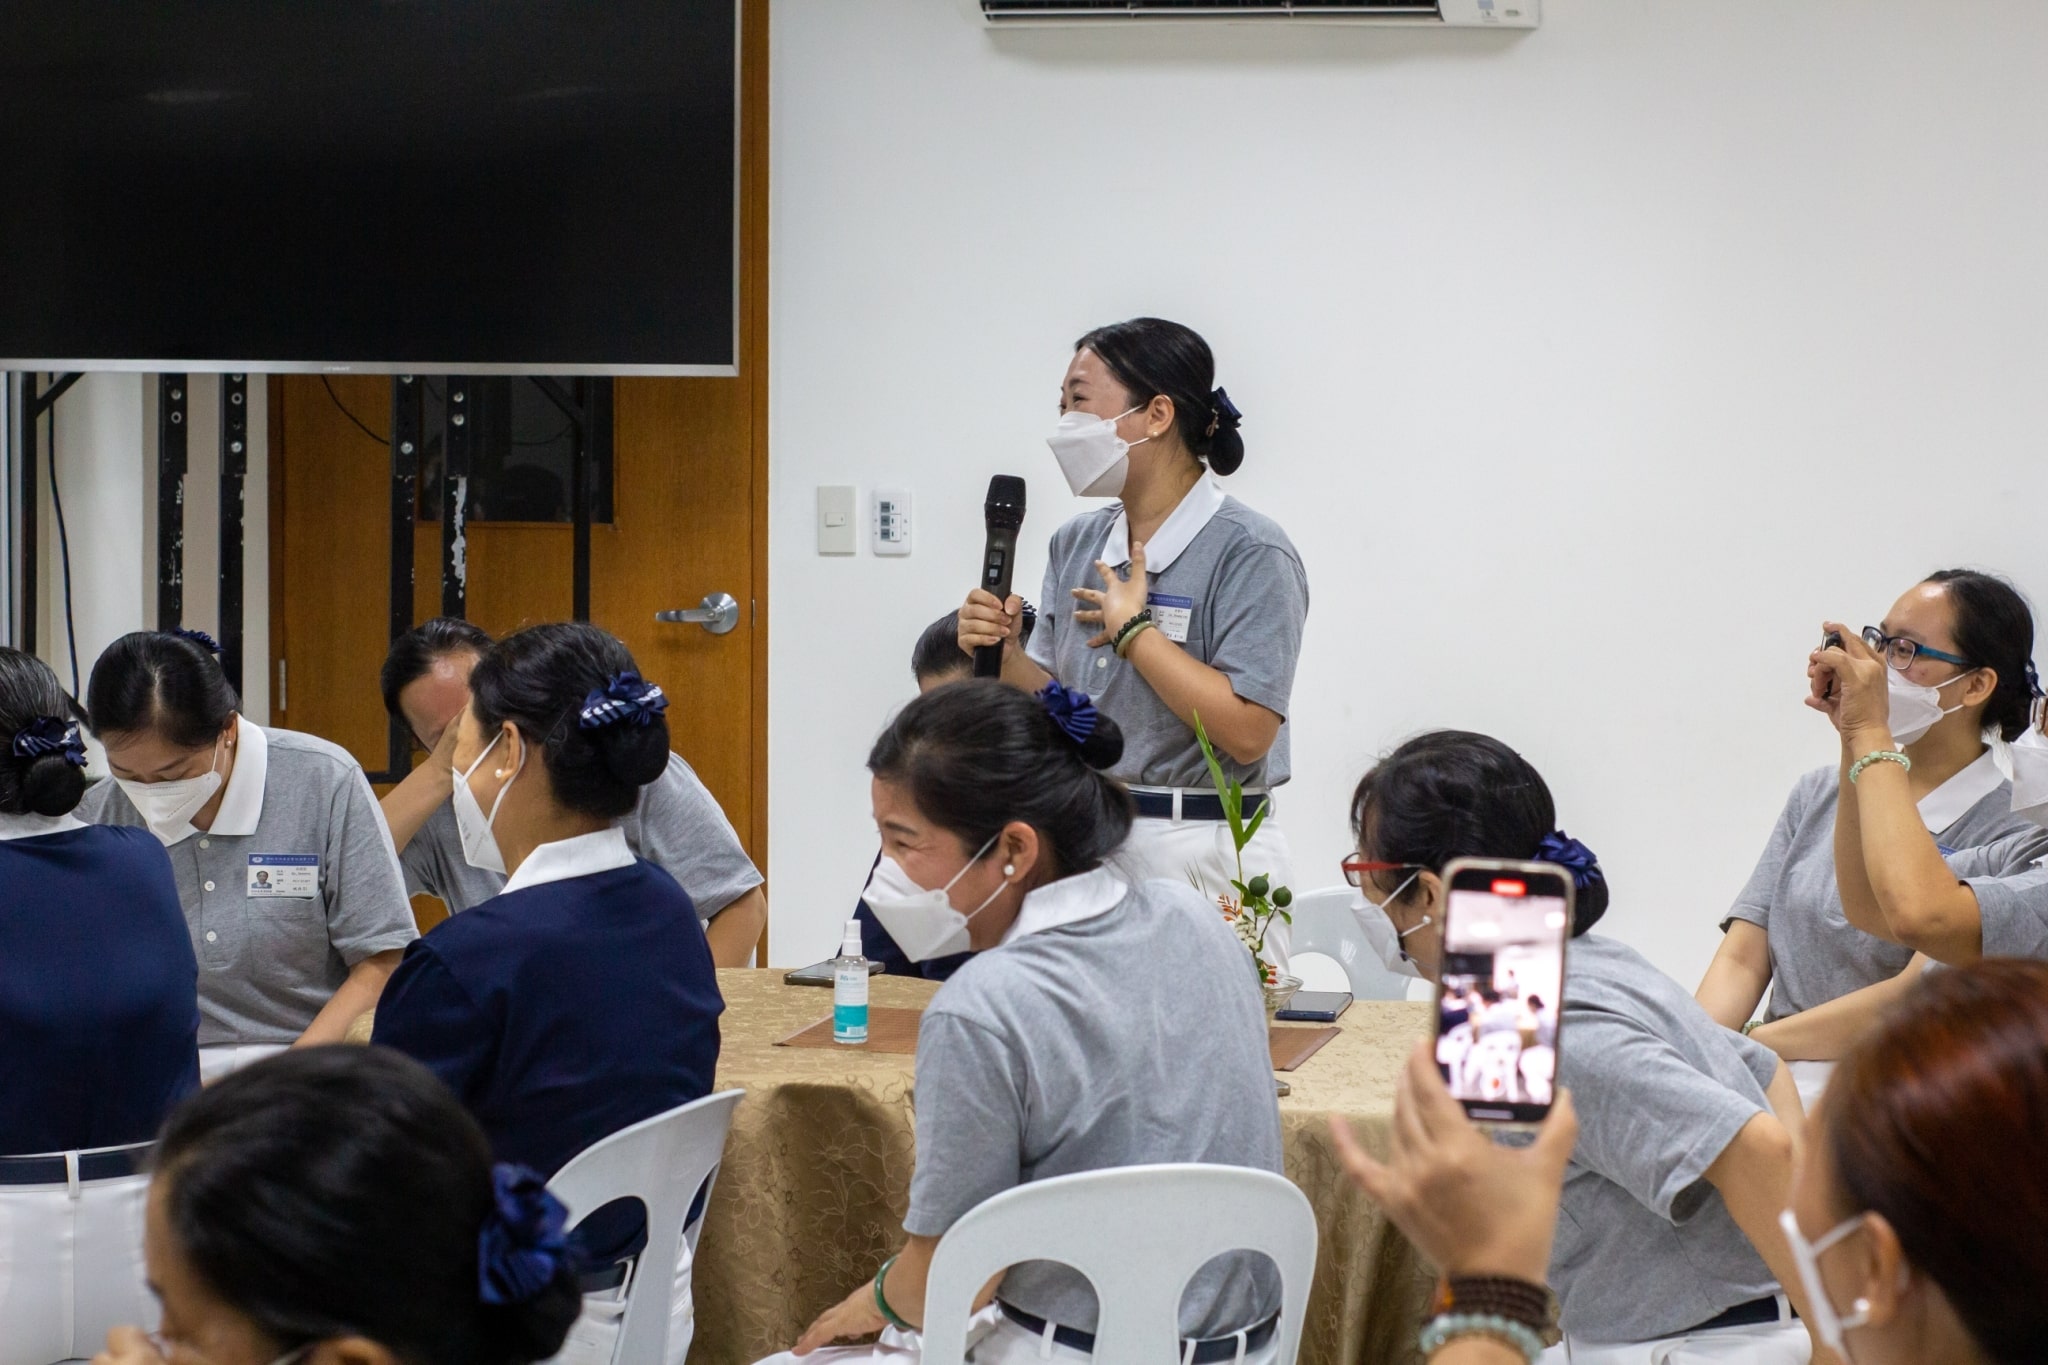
{"type": "Point", "coordinates": [1174, 602]}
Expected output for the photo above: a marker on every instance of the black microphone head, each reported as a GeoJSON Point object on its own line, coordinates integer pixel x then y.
{"type": "Point", "coordinates": [1005, 506]}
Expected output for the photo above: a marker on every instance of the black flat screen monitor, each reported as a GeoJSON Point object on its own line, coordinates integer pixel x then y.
{"type": "Point", "coordinates": [381, 185]}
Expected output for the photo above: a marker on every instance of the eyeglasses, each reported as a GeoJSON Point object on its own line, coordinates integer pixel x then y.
{"type": "Point", "coordinates": [1355, 869]}
{"type": "Point", "coordinates": [1900, 652]}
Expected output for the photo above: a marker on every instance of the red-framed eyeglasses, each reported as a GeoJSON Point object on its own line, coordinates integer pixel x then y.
{"type": "Point", "coordinates": [1355, 869]}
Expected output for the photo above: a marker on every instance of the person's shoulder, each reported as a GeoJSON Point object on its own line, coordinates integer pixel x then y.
{"type": "Point", "coordinates": [296, 752]}
{"type": "Point", "coordinates": [1253, 529]}
{"type": "Point", "coordinates": [1815, 787]}
{"type": "Point", "coordinates": [1602, 973]}
{"type": "Point", "coordinates": [1084, 530]}
{"type": "Point", "coordinates": [105, 803]}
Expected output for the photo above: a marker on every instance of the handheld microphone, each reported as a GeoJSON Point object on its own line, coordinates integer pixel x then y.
{"type": "Point", "coordinates": [1003, 513]}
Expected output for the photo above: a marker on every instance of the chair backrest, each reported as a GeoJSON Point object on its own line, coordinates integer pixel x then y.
{"type": "Point", "coordinates": [1324, 923]}
{"type": "Point", "coordinates": [662, 1162]}
{"type": "Point", "coordinates": [1139, 1234]}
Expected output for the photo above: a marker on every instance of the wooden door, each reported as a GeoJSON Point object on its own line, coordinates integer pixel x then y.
{"type": "Point", "coordinates": [689, 519]}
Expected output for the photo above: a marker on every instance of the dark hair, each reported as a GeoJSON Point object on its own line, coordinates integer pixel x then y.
{"type": "Point", "coordinates": [937, 653]}
{"type": "Point", "coordinates": [538, 679]}
{"type": "Point", "coordinates": [1453, 794]}
{"type": "Point", "coordinates": [414, 653]}
{"type": "Point", "coordinates": [978, 753]}
{"type": "Point", "coordinates": [154, 680]}
{"type": "Point", "coordinates": [1994, 628]}
{"type": "Point", "coordinates": [1151, 357]}
{"type": "Point", "coordinates": [339, 1191]}
{"type": "Point", "coordinates": [1923, 1118]}
{"type": "Point", "coordinates": [39, 784]}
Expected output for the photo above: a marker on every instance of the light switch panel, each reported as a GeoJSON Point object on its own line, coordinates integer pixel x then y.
{"type": "Point", "coordinates": [891, 521]}
{"type": "Point", "coordinates": [837, 534]}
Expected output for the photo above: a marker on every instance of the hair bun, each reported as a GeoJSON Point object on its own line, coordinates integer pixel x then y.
{"type": "Point", "coordinates": [1104, 748]}
{"type": "Point", "coordinates": [636, 754]}
{"type": "Point", "coordinates": [1226, 447]}
{"type": "Point", "coordinates": [52, 785]}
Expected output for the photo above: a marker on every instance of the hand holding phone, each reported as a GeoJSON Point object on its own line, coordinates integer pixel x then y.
{"type": "Point", "coordinates": [1500, 1005]}
{"type": "Point", "coordinates": [1831, 640]}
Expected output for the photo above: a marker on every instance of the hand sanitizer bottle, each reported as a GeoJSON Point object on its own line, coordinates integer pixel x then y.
{"type": "Point", "coordinates": [850, 989]}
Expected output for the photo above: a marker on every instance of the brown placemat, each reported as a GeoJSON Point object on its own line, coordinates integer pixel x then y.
{"type": "Point", "coordinates": [889, 1030]}
{"type": "Point", "coordinates": [1290, 1046]}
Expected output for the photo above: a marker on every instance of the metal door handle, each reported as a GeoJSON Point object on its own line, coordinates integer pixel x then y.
{"type": "Point", "coordinates": [718, 613]}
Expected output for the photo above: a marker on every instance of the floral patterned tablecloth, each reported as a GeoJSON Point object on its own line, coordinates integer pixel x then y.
{"type": "Point", "coordinates": [817, 1176]}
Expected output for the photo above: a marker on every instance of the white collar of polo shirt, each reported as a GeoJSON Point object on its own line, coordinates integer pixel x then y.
{"type": "Point", "coordinates": [1174, 535]}
{"type": "Point", "coordinates": [241, 805]}
{"type": "Point", "coordinates": [29, 826]}
{"type": "Point", "coordinates": [581, 856]}
{"type": "Point", "coordinates": [1067, 901]}
{"type": "Point", "coordinates": [1947, 803]}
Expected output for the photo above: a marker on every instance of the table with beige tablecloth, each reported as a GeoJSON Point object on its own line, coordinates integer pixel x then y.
{"type": "Point", "coordinates": [817, 1176]}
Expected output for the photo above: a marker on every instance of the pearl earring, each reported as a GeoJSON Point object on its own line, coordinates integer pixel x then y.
{"type": "Point", "coordinates": [1009, 869]}
{"type": "Point", "coordinates": [1860, 1307]}
{"type": "Point", "coordinates": [497, 772]}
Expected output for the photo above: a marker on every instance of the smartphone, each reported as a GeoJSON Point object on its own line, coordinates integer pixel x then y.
{"type": "Point", "coordinates": [1315, 1007]}
{"type": "Point", "coordinates": [1831, 640]}
{"type": "Point", "coordinates": [820, 973]}
{"type": "Point", "coordinates": [1500, 1007]}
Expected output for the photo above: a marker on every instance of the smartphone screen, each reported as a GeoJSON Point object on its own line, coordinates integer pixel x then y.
{"type": "Point", "coordinates": [1505, 927]}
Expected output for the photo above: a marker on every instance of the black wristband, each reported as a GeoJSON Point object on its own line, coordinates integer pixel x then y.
{"type": "Point", "coordinates": [1128, 628]}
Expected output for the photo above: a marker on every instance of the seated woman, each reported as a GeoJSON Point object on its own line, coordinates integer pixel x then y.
{"type": "Point", "coordinates": [336, 1205]}
{"type": "Point", "coordinates": [582, 998]}
{"type": "Point", "coordinates": [288, 880]}
{"type": "Point", "coordinates": [99, 1022]}
{"type": "Point", "coordinates": [1953, 905]}
{"type": "Point", "coordinates": [675, 823]}
{"type": "Point", "coordinates": [1959, 645]}
{"type": "Point", "coordinates": [1047, 1055]}
{"type": "Point", "coordinates": [1669, 1230]}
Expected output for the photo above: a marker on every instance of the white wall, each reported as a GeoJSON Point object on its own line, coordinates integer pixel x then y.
{"type": "Point", "coordinates": [1587, 368]}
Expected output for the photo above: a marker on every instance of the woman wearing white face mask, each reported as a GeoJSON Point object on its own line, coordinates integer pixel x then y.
{"type": "Point", "coordinates": [1958, 646]}
{"type": "Point", "coordinates": [1895, 881]}
{"type": "Point", "coordinates": [1046, 1054]}
{"type": "Point", "coordinates": [286, 873]}
{"type": "Point", "coordinates": [1668, 1249]}
{"type": "Point", "coordinates": [582, 998]}
{"type": "Point", "coordinates": [1175, 602]}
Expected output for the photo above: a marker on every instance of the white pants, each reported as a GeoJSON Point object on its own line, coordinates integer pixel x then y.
{"type": "Point", "coordinates": [1770, 1343]}
{"type": "Point", "coordinates": [993, 1340]}
{"type": "Point", "coordinates": [594, 1337]}
{"type": "Point", "coordinates": [70, 1267]}
{"type": "Point", "coordinates": [1811, 1078]}
{"type": "Point", "coordinates": [226, 1058]}
{"type": "Point", "coordinates": [1200, 852]}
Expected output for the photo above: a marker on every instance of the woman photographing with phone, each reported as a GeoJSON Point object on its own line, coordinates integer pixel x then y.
{"type": "Point", "coordinates": [1669, 1232]}
{"type": "Point", "coordinates": [1175, 602]}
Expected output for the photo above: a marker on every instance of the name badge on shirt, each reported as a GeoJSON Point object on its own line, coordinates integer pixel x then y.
{"type": "Point", "coordinates": [1171, 615]}
{"type": "Point", "coordinates": [294, 876]}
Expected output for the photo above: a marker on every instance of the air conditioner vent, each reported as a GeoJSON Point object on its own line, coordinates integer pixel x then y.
{"type": "Point", "coordinates": [1447, 13]}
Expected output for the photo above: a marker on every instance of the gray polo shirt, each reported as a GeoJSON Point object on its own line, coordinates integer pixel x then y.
{"type": "Point", "coordinates": [1645, 1246]}
{"type": "Point", "coordinates": [1816, 954]}
{"type": "Point", "coordinates": [677, 825]}
{"type": "Point", "coordinates": [295, 884]}
{"type": "Point", "coordinates": [1226, 584]}
{"type": "Point", "coordinates": [2011, 886]}
{"type": "Point", "coordinates": [1048, 1055]}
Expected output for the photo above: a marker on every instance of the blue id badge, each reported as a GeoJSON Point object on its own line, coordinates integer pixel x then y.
{"type": "Point", "coordinates": [1171, 615]}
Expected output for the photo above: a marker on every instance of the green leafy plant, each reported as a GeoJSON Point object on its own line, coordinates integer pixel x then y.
{"type": "Point", "coordinates": [1258, 902]}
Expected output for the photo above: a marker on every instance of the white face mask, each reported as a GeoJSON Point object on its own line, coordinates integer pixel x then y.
{"type": "Point", "coordinates": [1094, 458]}
{"type": "Point", "coordinates": [1915, 707]}
{"type": "Point", "coordinates": [168, 807]}
{"type": "Point", "coordinates": [1380, 932]}
{"type": "Point", "coordinates": [2030, 773]}
{"type": "Point", "coordinates": [924, 923]}
{"type": "Point", "coordinates": [1806, 1255]}
{"type": "Point", "coordinates": [479, 845]}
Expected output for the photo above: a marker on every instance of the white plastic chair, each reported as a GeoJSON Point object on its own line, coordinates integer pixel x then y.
{"type": "Point", "coordinates": [1139, 1234]}
{"type": "Point", "coordinates": [1324, 923]}
{"type": "Point", "coordinates": [661, 1162]}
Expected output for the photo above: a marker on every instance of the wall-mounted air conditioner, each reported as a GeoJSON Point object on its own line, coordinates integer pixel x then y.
{"type": "Point", "coordinates": [1420, 13]}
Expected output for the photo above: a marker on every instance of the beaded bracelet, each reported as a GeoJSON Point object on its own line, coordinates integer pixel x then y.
{"type": "Point", "coordinates": [1123, 645]}
{"type": "Point", "coordinates": [1878, 756]}
{"type": "Point", "coordinates": [1442, 1331]}
{"type": "Point", "coordinates": [1522, 1300]}
{"type": "Point", "coordinates": [1129, 629]}
{"type": "Point", "coordinates": [882, 1303]}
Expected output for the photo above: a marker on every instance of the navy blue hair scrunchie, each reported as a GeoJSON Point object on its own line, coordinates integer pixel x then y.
{"type": "Point", "coordinates": [50, 735]}
{"type": "Point", "coordinates": [523, 1244]}
{"type": "Point", "coordinates": [200, 638]}
{"type": "Point", "coordinates": [1072, 711]}
{"type": "Point", "coordinates": [627, 699]}
{"type": "Point", "coordinates": [1568, 853]}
